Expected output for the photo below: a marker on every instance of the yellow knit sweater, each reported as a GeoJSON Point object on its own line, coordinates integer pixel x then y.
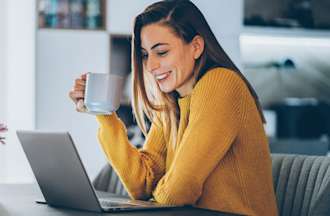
{"type": "Point", "coordinates": [221, 160]}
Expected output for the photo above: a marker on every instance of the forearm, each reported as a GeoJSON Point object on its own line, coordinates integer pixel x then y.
{"type": "Point", "coordinates": [138, 170]}
{"type": "Point", "coordinates": [178, 190]}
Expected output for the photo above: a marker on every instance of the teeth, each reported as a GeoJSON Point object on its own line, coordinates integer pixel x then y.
{"type": "Point", "coordinates": [161, 76]}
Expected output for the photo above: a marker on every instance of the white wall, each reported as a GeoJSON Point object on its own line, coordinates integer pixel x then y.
{"type": "Point", "coordinates": [62, 57]}
{"type": "Point", "coordinates": [18, 70]}
{"type": "Point", "coordinates": [120, 16]}
{"type": "Point", "coordinates": [2, 79]}
{"type": "Point", "coordinates": [2, 57]}
{"type": "Point", "coordinates": [225, 18]}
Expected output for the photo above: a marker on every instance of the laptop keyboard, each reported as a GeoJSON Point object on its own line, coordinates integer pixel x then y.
{"type": "Point", "coordinates": [109, 203]}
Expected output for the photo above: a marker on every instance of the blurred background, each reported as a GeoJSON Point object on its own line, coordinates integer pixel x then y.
{"type": "Point", "coordinates": [281, 46]}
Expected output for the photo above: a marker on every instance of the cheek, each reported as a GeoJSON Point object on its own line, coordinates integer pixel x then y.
{"type": "Point", "coordinates": [168, 62]}
{"type": "Point", "coordinates": [177, 62]}
{"type": "Point", "coordinates": [187, 63]}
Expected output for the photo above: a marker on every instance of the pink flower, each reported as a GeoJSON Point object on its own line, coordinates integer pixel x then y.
{"type": "Point", "coordinates": [3, 128]}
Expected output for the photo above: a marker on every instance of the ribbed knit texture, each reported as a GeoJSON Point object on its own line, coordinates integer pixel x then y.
{"type": "Point", "coordinates": [221, 160]}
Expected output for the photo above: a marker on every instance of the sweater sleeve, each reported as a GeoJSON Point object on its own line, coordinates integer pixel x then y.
{"type": "Point", "coordinates": [214, 122]}
{"type": "Point", "coordinates": [138, 170]}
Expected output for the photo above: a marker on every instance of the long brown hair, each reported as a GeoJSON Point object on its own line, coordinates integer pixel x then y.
{"type": "Point", "coordinates": [186, 21]}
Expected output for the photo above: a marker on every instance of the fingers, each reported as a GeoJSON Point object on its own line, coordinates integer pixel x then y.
{"type": "Point", "coordinates": [76, 95]}
{"type": "Point", "coordinates": [79, 88]}
{"type": "Point", "coordinates": [80, 82]}
{"type": "Point", "coordinates": [81, 106]}
{"type": "Point", "coordinates": [83, 76]}
{"type": "Point", "coordinates": [77, 92]}
{"type": "Point", "coordinates": [78, 99]}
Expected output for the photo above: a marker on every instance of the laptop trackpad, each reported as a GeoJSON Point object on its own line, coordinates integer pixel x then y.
{"type": "Point", "coordinates": [108, 195]}
{"type": "Point", "coordinates": [111, 198]}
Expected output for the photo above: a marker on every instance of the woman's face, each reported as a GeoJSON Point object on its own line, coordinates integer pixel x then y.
{"type": "Point", "coordinates": [168, 58]}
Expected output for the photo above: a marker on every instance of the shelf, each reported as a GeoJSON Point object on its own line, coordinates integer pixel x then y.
{"type": "Point", "coordinates": [286, 32]}
{"type": "Point", "coordinates": [69, 14]}
{"type": "Point", "coordinates": [71, 29]}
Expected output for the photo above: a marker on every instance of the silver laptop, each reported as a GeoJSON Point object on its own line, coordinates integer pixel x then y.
{"type": "Point", "coordinates": [62, 177]}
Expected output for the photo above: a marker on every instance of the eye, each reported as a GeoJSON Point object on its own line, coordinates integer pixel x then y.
{"type": "Point", "coordinates": [162, 53]}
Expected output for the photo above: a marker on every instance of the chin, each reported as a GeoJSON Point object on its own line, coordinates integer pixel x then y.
{"type": "Point", "coordinates": [166, 90]}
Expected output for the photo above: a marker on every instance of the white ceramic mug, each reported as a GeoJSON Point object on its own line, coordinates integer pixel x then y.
{"type": "Point", "coordinates": [103, 92]}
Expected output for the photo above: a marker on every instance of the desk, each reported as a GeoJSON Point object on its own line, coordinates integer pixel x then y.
{"type": "Point", "coordinates": [17, 200]}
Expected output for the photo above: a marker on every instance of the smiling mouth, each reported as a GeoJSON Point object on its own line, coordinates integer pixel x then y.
{"type": "Point", "coordinates": [163, 76]}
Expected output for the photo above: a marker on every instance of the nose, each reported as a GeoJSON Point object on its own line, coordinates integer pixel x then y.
{"type": "Point", "coordinates": [152, 64]}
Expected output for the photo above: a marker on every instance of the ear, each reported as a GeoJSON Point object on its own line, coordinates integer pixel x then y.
{"type": "Point", "coordinates": [197, 46]}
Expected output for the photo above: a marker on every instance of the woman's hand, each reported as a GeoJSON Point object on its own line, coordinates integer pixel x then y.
{"type": "Point", "coordinates": [77, 93]}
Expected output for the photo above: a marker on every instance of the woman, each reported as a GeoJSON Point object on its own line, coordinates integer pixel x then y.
{"type": "Point", "coordinates": [206, 146]}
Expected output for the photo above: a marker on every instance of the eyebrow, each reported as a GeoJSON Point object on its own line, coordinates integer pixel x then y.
{"type": "Point", "coordinates": [156, 45]}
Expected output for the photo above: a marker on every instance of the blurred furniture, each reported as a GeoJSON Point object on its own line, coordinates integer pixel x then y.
{"type": "Point", "coordinates": [311, 14]}
{"type": "Point", "coordinates": [302, 184]}
{"type": "Point", "coordinates": [300, 146]}
{"type": "Point", "coordinates": [302, 118]}
{"type": "Point", "coordinates": [108, 181]}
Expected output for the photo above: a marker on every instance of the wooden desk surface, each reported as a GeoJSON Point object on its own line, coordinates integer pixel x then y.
{"type": "Point", "coordinates": [17, 200]}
